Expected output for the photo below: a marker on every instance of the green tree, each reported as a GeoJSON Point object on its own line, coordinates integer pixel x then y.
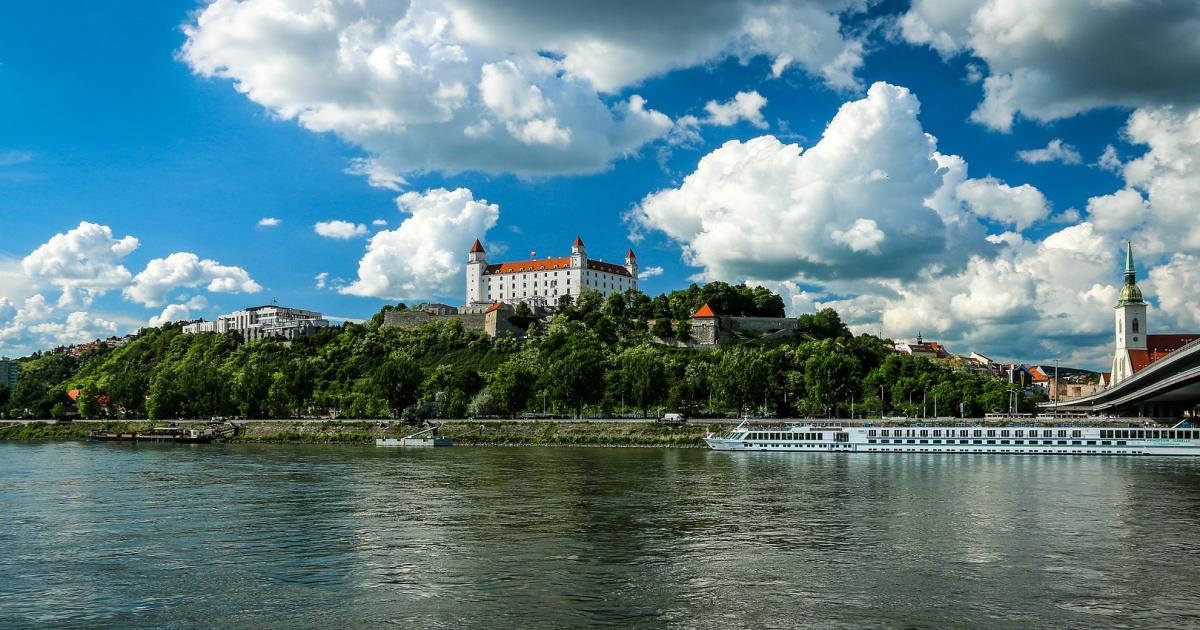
{"type": "Point", "coordinates": [662, 328]}
{"type": "Point", "coordinates": [574, 379]}
{"type": "Point", "coordinates": [397, 380]}
{"type": "Point", "coordinates": [510, 387]}
{"type": "Point", "coordinates": [58, 411]}
{"type": "Point", "coordinates": [740, 377]}
{"type": "Point", "coordinates": [87, 404]}
{"type": "Point", "coordinates": [642, 377]}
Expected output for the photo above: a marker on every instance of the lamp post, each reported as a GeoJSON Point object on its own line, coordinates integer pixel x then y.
{"type": "Point", "coordinates": [1056, 387]}
{"type": "Point", "coordinates": [924, 393]}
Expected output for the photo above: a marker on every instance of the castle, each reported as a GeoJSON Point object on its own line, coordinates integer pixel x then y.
{"type": "Point", "coordinates": [542, 282]}
{"type": "Point", "coordinates": [1135, 347]}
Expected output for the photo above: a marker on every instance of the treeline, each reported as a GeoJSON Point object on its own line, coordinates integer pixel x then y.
{"type": "Point", "coordinates": [594, 357]}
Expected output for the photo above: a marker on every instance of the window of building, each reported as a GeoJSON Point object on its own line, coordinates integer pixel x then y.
{"type": "Point", "coordinates": [1135, 324]}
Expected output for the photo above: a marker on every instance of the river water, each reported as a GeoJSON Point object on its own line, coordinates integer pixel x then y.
{"type": "Point", "coordinates": [118, 535]}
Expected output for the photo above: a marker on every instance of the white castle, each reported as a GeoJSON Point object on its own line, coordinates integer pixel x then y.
{"type": "Point", "coordinates": [542, 282]}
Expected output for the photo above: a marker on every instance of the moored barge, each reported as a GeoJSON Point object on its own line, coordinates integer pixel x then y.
{"type": "Point", "coordinates": [175, 435]}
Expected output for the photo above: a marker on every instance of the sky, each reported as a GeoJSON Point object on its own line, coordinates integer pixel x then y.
{"type": "Point", "coordinates": [968, 170]}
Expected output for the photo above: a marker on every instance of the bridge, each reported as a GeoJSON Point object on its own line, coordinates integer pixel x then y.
{"type": "Point", "coordinates": [1167, 388]}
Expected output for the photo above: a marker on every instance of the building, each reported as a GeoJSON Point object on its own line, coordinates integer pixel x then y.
{"type": "Point", "coordinates": [928, 349]}
{"type": "Point", "coordinates": [492, 319]}
{"type": "Point", "coordinates": [709, 329]}
{"type": "Point", "coordinates": [260, 322]}
{"type": "Point", "coordinates": [1135, 347]}
{"type": "Point", "coordinates": [540, 282]}
{"type": "Point", "coordinates": [10, 372]}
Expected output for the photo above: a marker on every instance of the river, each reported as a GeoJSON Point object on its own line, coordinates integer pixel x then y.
{"type": "Point", "coordinates": [120, 535]}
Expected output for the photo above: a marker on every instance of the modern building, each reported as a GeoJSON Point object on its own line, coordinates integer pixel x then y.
{"type": "Point", "coordinates": [260, 322]}
{"type": "Point", "coordinates": [10, 372]}
{"type": "Point", "coordinates": [1135, 347]}
{"type": "Point", "coordinates": [542, 281]}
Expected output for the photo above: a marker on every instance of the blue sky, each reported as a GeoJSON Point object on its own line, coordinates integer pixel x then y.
{"type": "Point", "coordinates": [183, 124]}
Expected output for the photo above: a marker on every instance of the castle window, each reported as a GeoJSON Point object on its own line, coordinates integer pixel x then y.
{"type": "Point", "coordinates": [1135, 324]}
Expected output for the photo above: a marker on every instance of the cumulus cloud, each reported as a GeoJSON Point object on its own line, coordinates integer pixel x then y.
{"type": "Point", "coordinates": [515, 87]}
{"type": "Point", "coordinates": [269, 222]}
{"type": "Point", "coordinates": [34, 325]}
{"type": "Point", "coordinates": [1019, 206]}
{"type": "Point", "coordinates": [341, 230]}
{"type": "Point", "coordinates": [1055, 151]}
{"type": "Point", "coordinates": [873, 198]}
{"type": "Point", "coordinates": [186, 270]}
{"type": "Point", "coordinates": [745, 106]}
{"type": "Point", "coordinates": [650, 272]}
{"type": "Point", "coordinates": [84, 262]}
{"type": "Point", "coordinates": [379, 222]}
{"type": "Point", "coordinates": [1049, 60]}
{"type": "Point", "coordinates": [1109, 160]}
{"type": "Point", "coordinates": [424, 256]}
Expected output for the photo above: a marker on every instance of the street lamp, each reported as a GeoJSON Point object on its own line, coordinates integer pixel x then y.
{"type": "Point", "coordinates": [923, 394]}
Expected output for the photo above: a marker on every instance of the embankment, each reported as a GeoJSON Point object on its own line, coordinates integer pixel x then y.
{"type": "Point", "coordinates": [465, 432]}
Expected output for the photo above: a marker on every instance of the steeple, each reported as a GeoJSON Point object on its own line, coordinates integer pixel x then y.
{"type": "Point", "coordinates": [1130, 293]}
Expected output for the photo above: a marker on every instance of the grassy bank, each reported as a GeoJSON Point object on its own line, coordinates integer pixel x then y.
{"type": "Point", "coordinates": [467, 433]}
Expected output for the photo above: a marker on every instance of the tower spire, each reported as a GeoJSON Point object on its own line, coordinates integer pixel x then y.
{"type": "Point", "coordinates": [1130, 293]}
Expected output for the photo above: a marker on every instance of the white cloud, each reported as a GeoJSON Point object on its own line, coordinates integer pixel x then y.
{"type": "Point", "coordinates": [1109, 160]}
{"type": "Point", "coordinates": [650, 272]}
{"type": "Point", "coordinates": [187, 270]}
{"type": "Point", "coordinates": [863, 236]}
{"type": "Point", "coordinates": [424, 256]}
{"type": "Point", "coordinates": [379, 222]}
{"type": "Point", "coordinates": [378, 175]}
{"type": "Point", "coordinates": [179, 312]}
{"type": "Point", "coordinates": [33, 325]}
{"type": "Point", "coordinates": [1049, 60]}
{"type": "Point", "coordinates": [1019, 206]}
{"type": "Point", "coordinates": [1055, 151]}
{"type": "Point", "coordinates": [341, 230]}
{"type": "Point", "coordinates": [321, 278]}
{"type": "Point", "coordinates": [1118, 213]}
{"type": "Point", "coordinates": [872, 199]}
{"type": "Point", "coordinates": [514, 87]}
{"type": "Point", "coordinates": [84, 262]}
{"type": "Point", "coordinates": [745, 106]}
{"type": "Point", "coordinates": [269, 222]}
{"type": "Point", "coordinates": [1174, 287]}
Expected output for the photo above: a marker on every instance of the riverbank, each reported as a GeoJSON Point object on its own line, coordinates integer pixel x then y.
{"type": "Point", "coordinates": [365, 432]}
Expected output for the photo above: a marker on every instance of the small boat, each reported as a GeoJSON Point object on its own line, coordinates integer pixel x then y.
{"type": "Point", "coordinates": [175, 435]}
{"type": "Point", "coordinates": [416, 440]}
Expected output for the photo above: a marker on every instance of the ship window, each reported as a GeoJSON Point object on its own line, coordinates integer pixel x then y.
{"type": "Point", "coordinates": [991, 433]}
{"type": "Point", "coordinates": [1104, 443]}
{"type": "Point", "coordinates": [1004, 433]}
{"type": "Point", "coordinates": [1076, 434]}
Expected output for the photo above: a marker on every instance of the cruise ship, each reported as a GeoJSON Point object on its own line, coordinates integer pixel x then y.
{"type": "Point", "coordinates": [962, 438]}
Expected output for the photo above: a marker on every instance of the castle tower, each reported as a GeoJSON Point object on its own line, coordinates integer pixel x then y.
{"type": "Point", "coordinates": [578, 254]}
{"type": "Point", "coordinates": [1130, 323]}
{"type": "Point", "coordinates": [476, 265]}
{"type": "Point", "coordinates": [632, 266]}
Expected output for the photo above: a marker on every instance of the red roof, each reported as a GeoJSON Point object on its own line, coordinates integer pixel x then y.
{"type": "Point", "coordinates": [1038, 374]}
{"type": "Point", "coordinates": [1169, 343]}
{"type": "Point", "coordinates": [704, 311]}
{"type": "Point", "coordinates": [493, 307]}
{"type": "Point", "coordinates": [477, 248]}
{"type": "Point", "coordinates": [578, 242]}
{"type": "Point", "coordinates": [630, 253]}
{"type": "Point", "coordinates": [530, 265]}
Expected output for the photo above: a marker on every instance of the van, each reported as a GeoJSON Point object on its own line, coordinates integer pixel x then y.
{"type": "Point", "coordinates": [673, 418]}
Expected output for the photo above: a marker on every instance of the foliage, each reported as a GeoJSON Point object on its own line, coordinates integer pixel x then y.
{"type": "Point", "coordinates": [593, 356]}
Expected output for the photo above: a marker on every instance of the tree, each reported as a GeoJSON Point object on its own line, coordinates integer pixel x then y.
{"type": "Point", "coordinates": [510, 387]}
{"type": "Point", "coordinates": [642, 377]}
{"type": "Point", "coordinates": [5, 395]}
{"type": "Point", "coordinates": [397, 380]}
{"type": "Point", "coordinates": [662, 328]}
{"type": "Point", "coordinates": [58, 411]}
{"type": "Point", "coordinates": [453, 404]}
{"type": "Point", "coordinates": [740, 377]}
{"type": "Point", "coordinates": [574, 378]}
{"type": "Point", "coordinates": [127, 389]}
{"type": "Point", "coordinates": [831, 378]}
{"type": "Point", "coordinates": [87, 404]}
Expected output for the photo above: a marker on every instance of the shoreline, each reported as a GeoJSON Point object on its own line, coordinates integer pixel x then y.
{"type": "Point", "coordinates": [488, 433]}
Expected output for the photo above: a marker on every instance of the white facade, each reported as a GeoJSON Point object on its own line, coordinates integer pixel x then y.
{"type": "Point", "coordinates": [263, 321]}
{"type": "Point", "coordinates": [542, 282]}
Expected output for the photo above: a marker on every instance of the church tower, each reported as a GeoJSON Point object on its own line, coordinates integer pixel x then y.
{"type": "Point", "coordinates": [632, 266]}
{"type": "Point", "coordinates": [1130, 324]}
{"type": "Point", "coordinates": [476, 265]}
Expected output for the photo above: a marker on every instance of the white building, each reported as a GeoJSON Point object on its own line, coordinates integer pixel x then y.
{"type": "Point", "coordinates": [542, 282]}
{"type": "Point", "coordinates": [258, 322]}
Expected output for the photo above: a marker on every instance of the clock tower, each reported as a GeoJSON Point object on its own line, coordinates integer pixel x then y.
{"type": "Point", "coordinates": [1130, 324]}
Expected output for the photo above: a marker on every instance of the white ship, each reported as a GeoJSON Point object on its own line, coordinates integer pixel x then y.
{"type": "Point", "coordinates": [962, 438]}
